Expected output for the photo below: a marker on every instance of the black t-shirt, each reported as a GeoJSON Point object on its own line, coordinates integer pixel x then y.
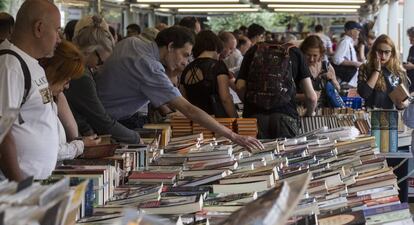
{"type": "Point", "coordinates": [300, 71]}
{"type": "Point", "coordinates": [200, 88]}
{"type": "Point", "coordinates": [410, 59]}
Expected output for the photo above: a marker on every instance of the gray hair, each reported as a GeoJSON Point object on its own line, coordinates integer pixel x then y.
{"type": "Point", "coordinates": [92, 33]}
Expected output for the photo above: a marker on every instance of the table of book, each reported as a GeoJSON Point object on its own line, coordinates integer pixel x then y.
{"type": "Point", "coordinates": [313, 179]}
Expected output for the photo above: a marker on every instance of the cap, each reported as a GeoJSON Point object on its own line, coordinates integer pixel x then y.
{"type": "Point", "coordinates": [352, 25]}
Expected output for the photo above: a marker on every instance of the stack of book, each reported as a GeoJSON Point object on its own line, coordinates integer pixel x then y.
{"type": "Point", "coordinates": [227, 122]}
{"type": "Point", "coordinates": [314, 179]}
{"type": "Point", "coordinates": [197, 128]}
{"type": "Point", "coordinates": [181, 126]}
{"type": "Point", "coordinates": [32, 203]}
{"type": "Point", "coordinates": [247, 126]}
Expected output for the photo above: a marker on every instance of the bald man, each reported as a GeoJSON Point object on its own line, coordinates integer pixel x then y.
{"type": "Point", "coordinates": [229, 44]}
{"type": "Point", "coordinates": [31, 146]}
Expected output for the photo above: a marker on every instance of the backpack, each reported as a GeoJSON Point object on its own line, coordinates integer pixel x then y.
{"type": "Point", "coordinates": [27, 77]}
{"type": "Point", "coordinates": [270, 82]}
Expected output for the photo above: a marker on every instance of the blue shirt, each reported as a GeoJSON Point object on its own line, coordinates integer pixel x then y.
{"type": "Point", "coordinates": [132, 76]}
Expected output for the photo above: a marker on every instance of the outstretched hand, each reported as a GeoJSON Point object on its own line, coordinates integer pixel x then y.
{"type": "Point", "coordinates": [250, 143]}
{"type": "Point", "coordinates": [91, 140]}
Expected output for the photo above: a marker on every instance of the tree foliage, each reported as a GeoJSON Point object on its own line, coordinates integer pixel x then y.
{"type": "Point", "coordinates": [3, 5]}
{"type": "Point", "coordinates": [270, 21]}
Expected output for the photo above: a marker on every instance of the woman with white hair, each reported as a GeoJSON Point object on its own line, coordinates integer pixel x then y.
{"type": "Point", "coordinates": [93, 38]}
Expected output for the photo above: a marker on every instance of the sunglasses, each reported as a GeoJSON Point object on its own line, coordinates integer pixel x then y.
{"type": "Point", "coordinates": [100, 62]}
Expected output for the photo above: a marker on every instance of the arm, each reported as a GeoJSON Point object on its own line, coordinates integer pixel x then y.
{"type": "Point", "coordinates": [199, 116]}
{"type": "Point", "coordinates": [83, 98]}
{"type": "Point", "coordinates": [364, 89]}
{"type": "Point", "coordinates": [66, 117]}
{"type": "Point", "coordinates": [8, 159]}
{"type": "Point", "coordinates": [241, 88]}
{"type": "Point", "coordinates": [331, 75]}
{"type": "Point", "coordinates": [408, 66]}
{"type": "Point", "coordinates": [225, 97]}
{"type": "Point", "coordinates": [361, 53]}
{"type": "Point", "coordinates": [70, 150]}
{"type": "Point", "coordinates": [310, 96]}
{"type": "Point", "coordinates": [243, 73]}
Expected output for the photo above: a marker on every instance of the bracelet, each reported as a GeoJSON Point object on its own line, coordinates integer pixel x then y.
{"type": "Point", "coordinates": [379, 71]}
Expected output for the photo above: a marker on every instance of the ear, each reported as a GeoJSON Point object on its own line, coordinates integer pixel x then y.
{"type": "Point", "coordinates": [170, 47]}
{"type": "Point", "coordinates": [38, 28]}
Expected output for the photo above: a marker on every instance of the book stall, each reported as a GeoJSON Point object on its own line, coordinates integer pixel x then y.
{"type": "Point", "coordinates": [330, 175]}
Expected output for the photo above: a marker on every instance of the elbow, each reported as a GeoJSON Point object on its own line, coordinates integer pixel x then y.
{"type": "Point", "coordinates": [312, 98]}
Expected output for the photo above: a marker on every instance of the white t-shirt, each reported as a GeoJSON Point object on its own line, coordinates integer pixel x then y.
{"type": "Point", "coordinates": [37, 140]}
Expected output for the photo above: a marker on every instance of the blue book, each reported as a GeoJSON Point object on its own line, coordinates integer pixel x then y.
{"type": "Point", "coordinates": [385, 209]}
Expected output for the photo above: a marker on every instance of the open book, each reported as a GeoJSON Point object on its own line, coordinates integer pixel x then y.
{"type": "Point", "coordinates": [274, 207]}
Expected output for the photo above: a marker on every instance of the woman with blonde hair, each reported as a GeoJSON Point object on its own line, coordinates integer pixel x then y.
{"type": "Point", "coordinates": [381, 74]}
{"type": "Point", "coordinates": [65, 65]}
{"type": "Point", "coordinates": [93, 38]}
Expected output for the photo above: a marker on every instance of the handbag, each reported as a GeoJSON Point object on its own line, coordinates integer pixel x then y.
{"type": "Point", "coordinates": [333, 96]}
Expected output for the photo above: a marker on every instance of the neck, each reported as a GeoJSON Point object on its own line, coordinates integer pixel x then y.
{"type": "Point", "coordinates": [163, 55]}
{"type": "Point", "coordinates": [208, 54]}
{"type": "Point", "coordinates": [25, 46]}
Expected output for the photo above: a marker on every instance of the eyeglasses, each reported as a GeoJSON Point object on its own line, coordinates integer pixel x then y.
{"type": "Point", "coordinates": [100, 62]}
{"type": "Point", "coordinates": [383, 52]}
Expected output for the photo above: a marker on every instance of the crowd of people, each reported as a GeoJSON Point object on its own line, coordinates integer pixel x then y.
{"type": "Point", "coordinates": [88, 81]}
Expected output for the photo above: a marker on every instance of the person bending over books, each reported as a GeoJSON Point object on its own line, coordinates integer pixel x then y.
{"type": "Point", "coordinates": [66, 64]}
{"type": "Point", "coordinates": [322, 73]}
{"type": "Point", "coordinates": [205, 81]}
{"type": "Point", "coordinates": [96, 43]}
{"type": "Point", "coordinates": [382, 76]}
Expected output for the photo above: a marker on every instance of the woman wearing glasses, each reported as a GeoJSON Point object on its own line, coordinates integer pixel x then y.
{"type": "Point", "coordinates": [381, 74]}
{"type": "Point", "coordinates": [93, 38]}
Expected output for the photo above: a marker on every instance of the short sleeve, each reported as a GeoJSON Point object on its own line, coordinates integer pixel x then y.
{"type": "Point", "coordinates": [300, 66]}
{"type": "Point", "coordinates": [247, 60]}
{"type": "Point", "coordinates": [11, 84]}
{"type": "Point", "coordinates": [156, 86]}
{"type": "Point", "coordinates": [221, 68]}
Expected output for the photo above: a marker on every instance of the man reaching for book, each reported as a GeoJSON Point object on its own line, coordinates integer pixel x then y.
{"type": "Point", "coordinates": [135, 74]}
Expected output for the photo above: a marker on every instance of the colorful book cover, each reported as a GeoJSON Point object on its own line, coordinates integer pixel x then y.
{"type": "Point", "coordinates": [385, 132]}
{"type": "Point", "coordinates": [375, 127]}
{"type": "Point", "coordinates": [393, 134]}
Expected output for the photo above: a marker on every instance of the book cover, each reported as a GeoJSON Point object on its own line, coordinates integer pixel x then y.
{"type": "Point", "coordinates": [375, 127]}
{"type": "Point", "coordinates": [350, 218]}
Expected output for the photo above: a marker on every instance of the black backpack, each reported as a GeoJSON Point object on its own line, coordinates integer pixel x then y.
{"type": "Point", "coordinates": [270, 82]}
{"type": "Point", "coordinates": [27, 77]}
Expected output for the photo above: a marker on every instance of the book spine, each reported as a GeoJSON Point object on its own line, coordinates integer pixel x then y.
{"type": "Point", "coordinates": [375, 127]}
{"type": "Point", "coordinates": [393, 126]}
{"type": "Point", "coordinates": [385, 209]}
{"type": "Point", "coordinates": [385, 132]}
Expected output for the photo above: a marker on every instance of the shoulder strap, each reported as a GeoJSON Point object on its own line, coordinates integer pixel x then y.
{"type": "Point", "coordinates": [26, 73]}
{"type": "Point", "coordinates": [27, 77]}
